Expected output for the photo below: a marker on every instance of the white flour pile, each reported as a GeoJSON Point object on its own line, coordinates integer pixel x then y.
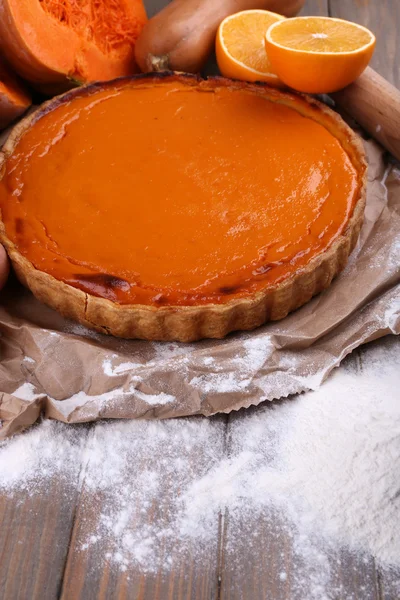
{"type": "Point", "coordinates": [28, 462]}
{"type": "Point", "coordinates": [325, 465]}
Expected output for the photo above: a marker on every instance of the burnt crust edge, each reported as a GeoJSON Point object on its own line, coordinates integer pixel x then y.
{"type": "Point", "coordinates": [191, 323]}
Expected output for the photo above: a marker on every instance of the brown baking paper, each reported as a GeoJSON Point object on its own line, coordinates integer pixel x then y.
{"type": "Point", "coordinates": [69, 373]}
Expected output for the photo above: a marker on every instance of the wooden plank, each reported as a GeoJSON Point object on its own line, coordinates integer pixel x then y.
{"type": "Point", "coordinates": [263, 564]}
{"type": "Point", "coordinates": [154, 6]}
{"type": "Point", "coordinates": [389, 579]}
{"type": "Point", "coordinates": [311, 7]}
{"type": "Point", "coordinates": [315, 8]}
{"type": "Point", "coordinates": [90, 572]}
{"type": "Point", "coordinates": [389, 584]}
{"type": "Point", "coordinates": [35, 526]}
{"type": "Point", "coordinates": [383, 18]}
{"type": "Point", "coordinates": [260, 558]}
{"type": "Point", "coordinates": [259, 555]}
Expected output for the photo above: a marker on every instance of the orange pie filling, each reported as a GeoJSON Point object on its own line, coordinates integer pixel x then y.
{"type": "Point", "coordinates": [169, 194]}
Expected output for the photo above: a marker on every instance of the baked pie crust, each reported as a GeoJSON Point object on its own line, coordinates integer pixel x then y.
{"type": "Point", "coordinates": [102, 301]}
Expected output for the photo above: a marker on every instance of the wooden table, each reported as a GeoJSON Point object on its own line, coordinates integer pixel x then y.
{"type": "Point", "coordinates": [39, 535]}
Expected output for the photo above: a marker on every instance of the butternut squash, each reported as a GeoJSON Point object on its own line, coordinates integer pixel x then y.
{"type": "Point", "coordinates": [14, 98]}
{"type": "Point", "coordinates": [181, 36]}
{"type": "Point", "coordinates": [56, 45]}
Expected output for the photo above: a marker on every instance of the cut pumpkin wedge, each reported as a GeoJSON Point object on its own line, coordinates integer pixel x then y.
{"type": "Point", "coordinates": [14, 98]}
{"type": "Point", "coordinates": [56, 45]}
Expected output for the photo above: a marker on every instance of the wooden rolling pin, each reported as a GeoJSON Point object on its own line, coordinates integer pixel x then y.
{"type": "Point", "coordinates": [375, 104]}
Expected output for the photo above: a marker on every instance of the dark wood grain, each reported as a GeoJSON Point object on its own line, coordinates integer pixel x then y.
{"type": "Point", "coordinates": [154, 6]}
{"type": "Point", "coordinates": [263, 565]}
{"type": "Point", "coordinates": [88, 574]}
{"type": "Point", "coordinates": [35, 528]}
{"type": "Point", "coordinates": [388, 579]}
{"type": "Point", "coordinates": [315, 8]}
{"type": "Point", "coordinates": [389, 584]}
{"type": "Point", "coordinates": [260, 559]}
{"type": "Point", "coordinates": [383, 18]}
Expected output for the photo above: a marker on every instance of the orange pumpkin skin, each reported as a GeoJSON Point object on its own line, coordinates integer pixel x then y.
{"type": "Point", "coordinates": [14, 98]}
{"type": "Point", "coordinates": [51, 47]}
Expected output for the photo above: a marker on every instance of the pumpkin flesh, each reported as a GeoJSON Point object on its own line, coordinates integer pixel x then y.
{"type": "Point", "coordinates": [50, 42]}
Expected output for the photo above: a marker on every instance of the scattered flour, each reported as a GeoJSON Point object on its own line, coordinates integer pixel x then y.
{"type": "Point", "coordinates": [223, 383]}
{"type": "Point", "coordinates": [29, 462]}
{"type": "Point", "coordinates": [256, 352]}
{"type": "Point", "coordinates": [81, 330]}
{"type": "Point", "coordinates": [208, 360]}
{"type": "Point", "coordinates": [391, 317]}
{"type": "Point", "coordinates": [320, 473]}
{"type": "Point", "coordinates": [119, 369]}
{"type": "Point", "coordinates": [67, 406]}
{"type": "Point", "coordinates": [115, 395]}
{"type": "Point", "coordinates": [162, 353]}
{"type": "Point", "coordinates": [26, 391]}
{"type": "Point", "coordinates": [28, 359]}
{"type": "Point", "coordinates": [155, 399]}
{"type": "Point", "coordinates": [329, 459]}
{"type": "Point", "coordinates": [170, 351]}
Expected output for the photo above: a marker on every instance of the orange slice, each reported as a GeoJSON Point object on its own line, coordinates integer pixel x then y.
{"type": "Point", "coordinates": [240, 48]}
{"type": "Point", "coordinates": [318, 54]}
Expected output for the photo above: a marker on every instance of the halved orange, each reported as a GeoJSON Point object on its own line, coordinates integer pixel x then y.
{"type": "Point", "coordinates": [318, 54]}
{"type": "Point", "coordinates": [240, 47]}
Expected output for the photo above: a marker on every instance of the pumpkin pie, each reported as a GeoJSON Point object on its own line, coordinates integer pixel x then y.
{"type": "Point", "coordinates": [168, 207]}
